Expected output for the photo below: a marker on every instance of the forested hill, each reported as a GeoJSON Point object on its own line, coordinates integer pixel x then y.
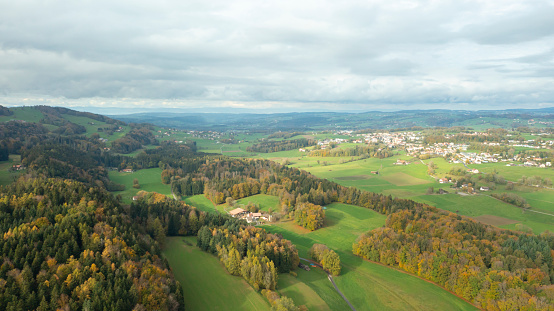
{"type": "Point", "coordinates": [43, 122]}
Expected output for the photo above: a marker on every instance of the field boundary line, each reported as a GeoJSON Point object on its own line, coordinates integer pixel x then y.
{"type": "Point", "coordinates": [330, 277]}
{"type": "Point", "coordinates": [524, 210]}
{"type": "Point", "coordinates": [530, 210]}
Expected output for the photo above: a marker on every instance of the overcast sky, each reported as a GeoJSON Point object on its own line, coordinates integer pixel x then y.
{"type": "Point", "coordinates": [278, 55]}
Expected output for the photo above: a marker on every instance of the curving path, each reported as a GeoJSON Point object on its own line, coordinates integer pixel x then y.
{"type": "Point", "coordinates": [330, 277]}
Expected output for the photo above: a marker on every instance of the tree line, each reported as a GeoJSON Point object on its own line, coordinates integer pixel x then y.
{"type": "Point", "coordinates": [365, 151]}
{"type": "Point", "coordinates": [280, 145]}
{"type": "Point", "coordinates": [329, 260]}
{"type": "Point", "coordinates": [250, 252]}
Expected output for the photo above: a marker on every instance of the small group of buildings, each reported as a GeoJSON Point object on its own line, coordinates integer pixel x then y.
{"type": "Point", "coordinates": [324, 144]}
{"type": "Point", "coordinates": [401, 162]}
{"type": "Point", "coordinates": [18, 167]}
{"type": "Point", "coordinates": [248, 216]}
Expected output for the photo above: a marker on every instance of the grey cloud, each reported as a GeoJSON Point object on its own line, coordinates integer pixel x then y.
{"type": "Point", "coordinates": [350, 52]}
{"type": "Point", "coordinates": [530, 24]}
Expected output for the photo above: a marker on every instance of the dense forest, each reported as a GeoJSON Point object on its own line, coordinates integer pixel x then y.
{"type": "Point", "coordinates": [493, 268]}
{"type": "Point", "coordinates": [365, 151]}
{"type": "Point", "coordinates": [250, 252]}
{"type": "Point", "coordinates": [68, 246]}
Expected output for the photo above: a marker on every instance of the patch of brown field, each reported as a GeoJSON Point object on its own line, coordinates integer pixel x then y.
{"type": "Point", "coordinates": [354, 177]}
{"type": "Point", "coordinates": [293, 227]}
{"type": "Point", "coordinates": [308, 136]}
{"type": "Point", "coordinates": [495, 220]}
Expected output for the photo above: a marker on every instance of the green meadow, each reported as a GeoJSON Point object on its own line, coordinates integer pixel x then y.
{"type": "Point", "coordinates": [206, 285]}
{"type": "Point", "coordinates": [28, 114]}
{"type": "Point", "coordinates": [92, 126]}
{"type": "Point", "coordinates": [412, 182]}
{"type": "Point", "coordinates": [200, 202]}
{"type": "Point", "coordinates": [400, 181]}
{"type": "Point", "coordinates": [149, 180]}
{"type": "Point", "coordinates": [7, 176]}
{"type": "Point", "coordinates": [367, 285]}
{"type": "Point", "coordinates": [264, 201]}
{"type": "Point", "coordinates": [475, 206]}
{"type": "Point", "coordinates": [308, 288]}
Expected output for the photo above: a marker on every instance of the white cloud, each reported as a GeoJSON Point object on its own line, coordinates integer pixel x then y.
{"type": "Point", "coordinates": [289, 54]}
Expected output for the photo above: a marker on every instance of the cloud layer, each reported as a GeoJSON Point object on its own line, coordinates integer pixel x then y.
{"type": "Point", "coordinates": [355, 55]}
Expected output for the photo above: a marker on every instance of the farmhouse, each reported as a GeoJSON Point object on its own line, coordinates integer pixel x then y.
{"type": "Point", "coordinates": [237, 212]}
{"type": "Point", "coordinates": [443, 180]}
{"type": "Point", "coordinates": [484, 188]}
{"type": "Point", "coordinates": [127, 170]}
{"type": "Point", "coordinates": [18, 167]}
{"type": "Point", "coordinates": [253, 217]}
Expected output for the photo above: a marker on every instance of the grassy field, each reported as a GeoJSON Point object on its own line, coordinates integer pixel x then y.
{"type": "Point", "coordinates": [28, 114]}
{"type": "Point", "coordinates": [206, 285]}
{"type": "Point", "coordinates": [412, 182]}
{"type": "Point", "coordinates": [479, 205]}
{"type": "Point", "coordinates": [308, 288]}
{"type": "Point", "coordinates": [368, 286]}
{"type": "Point", "coordinates": [149, 180]}
{"type": "Point", "coordinates": [7, 176]}
{"type": "Point", "coordinates": [399, 181]}
{"type": "Point", "coordinates": [263, 200]}
{"type": "Point", "coordinates": [200, 202]}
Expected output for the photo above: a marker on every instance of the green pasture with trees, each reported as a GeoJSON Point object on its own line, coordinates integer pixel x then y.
{"type": "Point", "coordinates": [367, 285]}
{"type": "Point", "coordinates": [206, 285]}
{"type": "Point", "coordinates": [149, 180]}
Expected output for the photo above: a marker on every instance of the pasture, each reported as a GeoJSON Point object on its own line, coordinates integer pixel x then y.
{"type": "Point", "coordinates": [367, 285]}
{"type": "Point", "coordinates": [6, 175]}
{"type": "Point", "coordinates": [308, 288]}
{"type": "Point", "coordinates": [399, 181]}
{"type": "Point", "coordinates": [476, 206]}
{"type": "Point", "coordinates": [264, 201]}
{"type": "Point", "coordinates": [92, 126]}
{"type": "Point", "coordinates": [149, 180]}
{"type": "Point", "coordinates": [28, 114]}
{"type": "Point", "coordinates": [200, 202]}
{"type": "Point", "coordinates": [205, 282]}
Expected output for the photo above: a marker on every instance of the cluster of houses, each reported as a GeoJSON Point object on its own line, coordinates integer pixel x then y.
{"type": "Point", "coordinates": [392, 140]}
{"type": "Point", "coordinates": [18, 167]}
{"type": "Point", "coordinates": [437, 149]}
{"type": "Point", "coordinates": [474, 158]}
{"type": "Point", "coordinates": [324, 144]}
{"type": "Point", "coordinates": [249, 216]}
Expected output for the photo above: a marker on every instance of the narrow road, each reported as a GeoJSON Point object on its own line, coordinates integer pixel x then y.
{"type": "Point", "coordinates": [330, 277]}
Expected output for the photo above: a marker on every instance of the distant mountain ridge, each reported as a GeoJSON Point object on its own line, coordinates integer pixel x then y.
{"type": "Point", "coordinates": [303, 121]}
{"type": "Point", "coordinates": [511, 118]}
